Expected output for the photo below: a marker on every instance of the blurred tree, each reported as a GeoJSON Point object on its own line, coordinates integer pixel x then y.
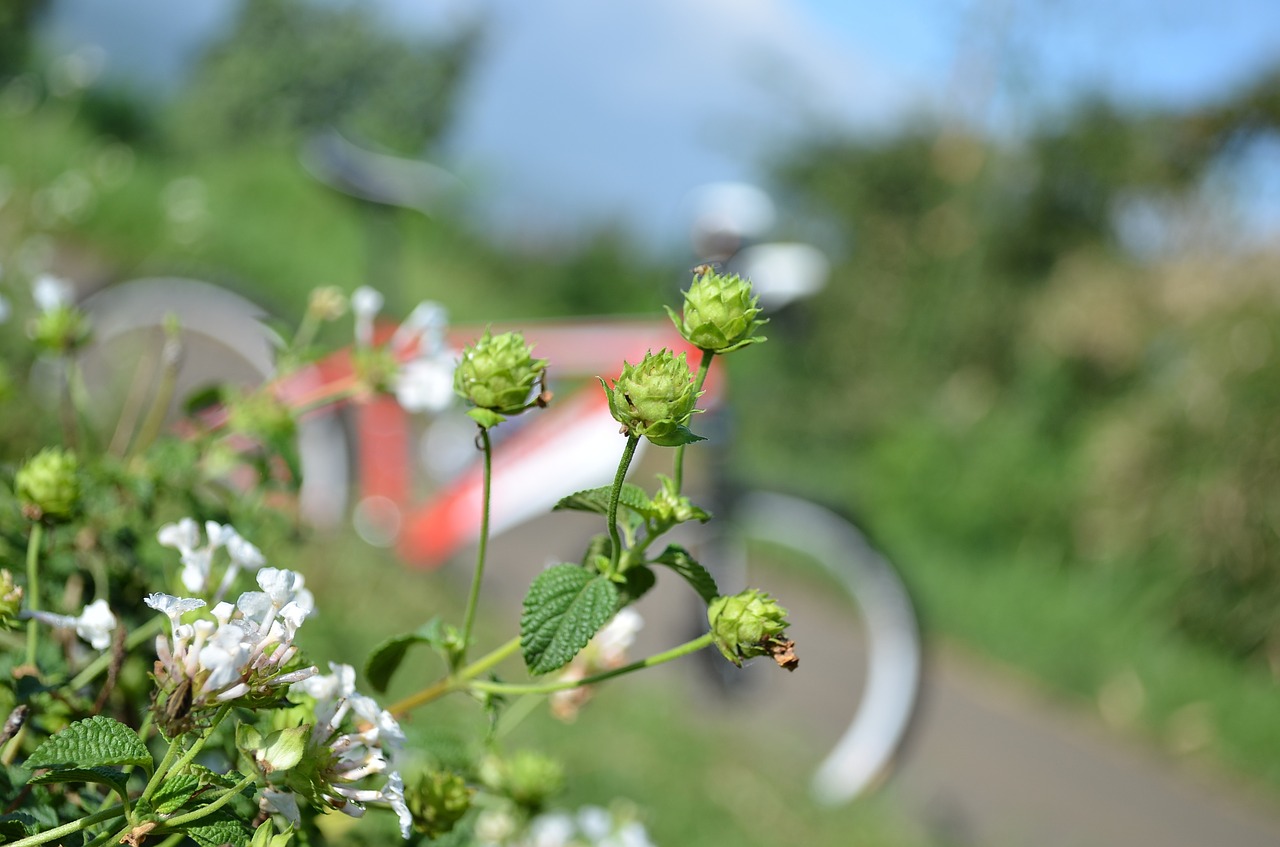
{"type": "Point", "coordinates": [17, 22]}
{"type": "Point", "coordinates": [994, 362]}
{"type": "Point", "coordinates": [291, 67]}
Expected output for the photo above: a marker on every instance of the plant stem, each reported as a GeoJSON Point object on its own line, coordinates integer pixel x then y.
{"type": "Point", "coordinates": [222, 800]}
{"type": "Point", "coordinates": [615, 555]}
{"type": "Point", "coordinates": [103, 661]}
{"type": "Point", "coordinates": [564, 685]}
{"type": "Point", "coordinates": [33, 588]}
{"type": "Point", "coordinates": [170, 362]}
{"type": "Point", "coordinates": [166, 768]}
{"type": "Point", "coordinates": [454, 682]}
{"type": "Point", "coordinates": [677, 471]}
{"type": "Point", "coordinates": [473, 599]}
{"type": "Point", "coordinates": [68, 828]}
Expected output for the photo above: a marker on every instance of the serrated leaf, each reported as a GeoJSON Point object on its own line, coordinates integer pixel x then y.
{"type": "Point", "coordinates": [386, 658]}
{"type": "Point", "coordinates": [679, 560]}
{"type": "Point", "coordinates": [598, 547]}
{"type": "Point", "coordinates": [564, 608]}
{"type": "Point", "coordinates": [205, 776]}
{"type": "Point", "coordinates": [17, 825]}
{"type": "Point", "coordinates": [219, 829]}
{"type": "Point", "coordinates": [175, 791]}
{"type": "Point", "coordinates": [113, 779]}
{"type": "Point", "coordinates": [597, 500]}
{"type": "Point", "coordinates": [94, 742]}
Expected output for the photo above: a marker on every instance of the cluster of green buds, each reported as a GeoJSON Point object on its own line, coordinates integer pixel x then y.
{"type": "Point", "coordinates": [672, 508]}
{"type": "Point", "coordinates": [437, 800]}
{"type": "Point", "coordinates": [655, 399]}
{"type": "Point", "coordinates": [750, 624]}
{"type": "Point", "coordinates": [500, 377]}
{"type": "Point", "coordinates": [48, 485]}
{"type": "Point", "coordinates": [528, 777]}
{"type": "Point", "coordinates": [720, 313]}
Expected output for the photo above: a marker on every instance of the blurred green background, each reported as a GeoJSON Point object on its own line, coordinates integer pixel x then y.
{"type": "Point", "coordinates": [1042, 374]}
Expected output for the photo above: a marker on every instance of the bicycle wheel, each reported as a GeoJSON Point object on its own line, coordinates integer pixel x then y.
{"type": "Point", "coordinates": [881, 675]}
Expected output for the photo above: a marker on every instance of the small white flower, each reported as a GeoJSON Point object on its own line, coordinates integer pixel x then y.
{"type": "Point", "coordinates": [283, 587]}
{"type": "Point", "coordinates": [94, 624]}
{"type": "Point", "coordinates": [182, 536]}
{"type": "Point", "coordinates": [366, 302]}
{"type": "Point", "coordinates": [174, 607]}
{"type": "Point", "coordinates": [196, 567]}
{"type": "Point", "coordinates": [393, 793]}
{"type": "Point", "coordinates": [244, 554]}
{"type": "Point", "coordinates": [51, 292]}
{"type": "Point", "coordinates": [426, 384]}
{"type": "Point", "coordinates": [551, 830]}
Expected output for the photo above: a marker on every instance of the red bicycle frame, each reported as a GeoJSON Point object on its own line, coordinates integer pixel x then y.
{"type": "Point", "coordinates": [566, 445]}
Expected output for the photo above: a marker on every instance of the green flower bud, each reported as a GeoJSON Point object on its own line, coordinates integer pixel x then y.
{"type": "Point", "coordinates": [437, 802]}
{"type": "Point", "coordinates": [327, 302]}
{"type": "Point", "coordinates": [10, 601]}
{"type": "Point", "coordinates": [262, 415]}
{"type": "Point", "coordinates": [751, 624]}
{"type": "Point", "coordinates": [529, 778]}
{"type": "Point", "coordinates": [59, 330]}
{"type": "Point", "coordinates": [655, 399]}
{"type": "Point", "coordinates": [720, 314]}
{"type": "Point", "coordinates": [48, 485]}
{"type": "Point", "coordinates": [498, 374]}
{"type": "Point", "coordinates": [674, 508]}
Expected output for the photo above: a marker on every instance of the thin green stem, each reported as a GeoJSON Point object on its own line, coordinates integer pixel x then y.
{"type": "Point", "coordinates": [473, 599]}
{"type": "Point", "coordinates": [134, 401]}
{"type": "Point", "coordinates": [171, 362]}
{"type": "Point", "coordinates": [628, 453]}
{"type": "Point", "coordinates": [103, 661]}
{"type": "Point", "coordinates": [677, 470]}
{"type": "Point", "coordinates": [69, 828]}
{"type": "Point", "coordinates": [33, 588]}
{"type": "Point", "coordinates": [455, 682]}
{"type": "Point", "coordinates": [565, 685]}
{"type": "Point", "coordinates": [166, 764]}
{"type": "Point", "coordinates": [169, 766]}
{"type": "Point", "coordinates": [223, 799]}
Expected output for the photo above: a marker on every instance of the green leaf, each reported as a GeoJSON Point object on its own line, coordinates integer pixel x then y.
{"type": "Point", "coordinates": [17, 825]}
{"type": "Point", "coordinates": [110, 777]}
{"type": "Point", "coordinates": [487, 418]}
{"type": "Point", "coordinates": [679, 560]}
{"type": "Point", "coordinates": [95, 742]}
{"type": "Point", "coordinates": [564, 608]}
{"type": "Point", "coordinates": [675, 436]}
{"type": "Point", "coordinates": [597, 500]}
{"type": "Point", "coordinates": [174, 792]}
{"type": "Point", "coordinates": [220, 829]}
{"type": "Point", "coordinates": [386, 658]}
{"type": "Point", "coordinates": [637, 581]}
{"type": "Point", "coordinates": [230, 779]}
{"type": "Point", "coordinates": [598, 547]}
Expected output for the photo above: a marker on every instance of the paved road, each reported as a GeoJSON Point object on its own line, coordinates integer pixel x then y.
{"type": "Point", "coordinates": [990, 761]}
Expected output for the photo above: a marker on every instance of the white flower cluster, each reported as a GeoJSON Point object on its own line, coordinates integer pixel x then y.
{"type": "Point", "coordinates": [95, 624]}
{"type": "Point", "coordinates": [245, 650]}
{"type": "Point", "coordinates": [344, 758]}
{"type": "Point", "coordinates": [606, 651]}
{"type": "Point", "coordinates": [197, 560]}
{"type": "Point", "coordinates": [592, 826]}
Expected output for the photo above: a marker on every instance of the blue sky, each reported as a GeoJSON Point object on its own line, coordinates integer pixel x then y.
{"type": "Point", "coordinates": [584, 111]}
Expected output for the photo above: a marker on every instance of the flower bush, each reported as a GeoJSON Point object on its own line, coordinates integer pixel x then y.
{"type": "Point", "coordinates": [157, 691]}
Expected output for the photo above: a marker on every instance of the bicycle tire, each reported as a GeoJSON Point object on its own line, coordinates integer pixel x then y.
{"type": "Point", "coordinates": [865, 752]}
